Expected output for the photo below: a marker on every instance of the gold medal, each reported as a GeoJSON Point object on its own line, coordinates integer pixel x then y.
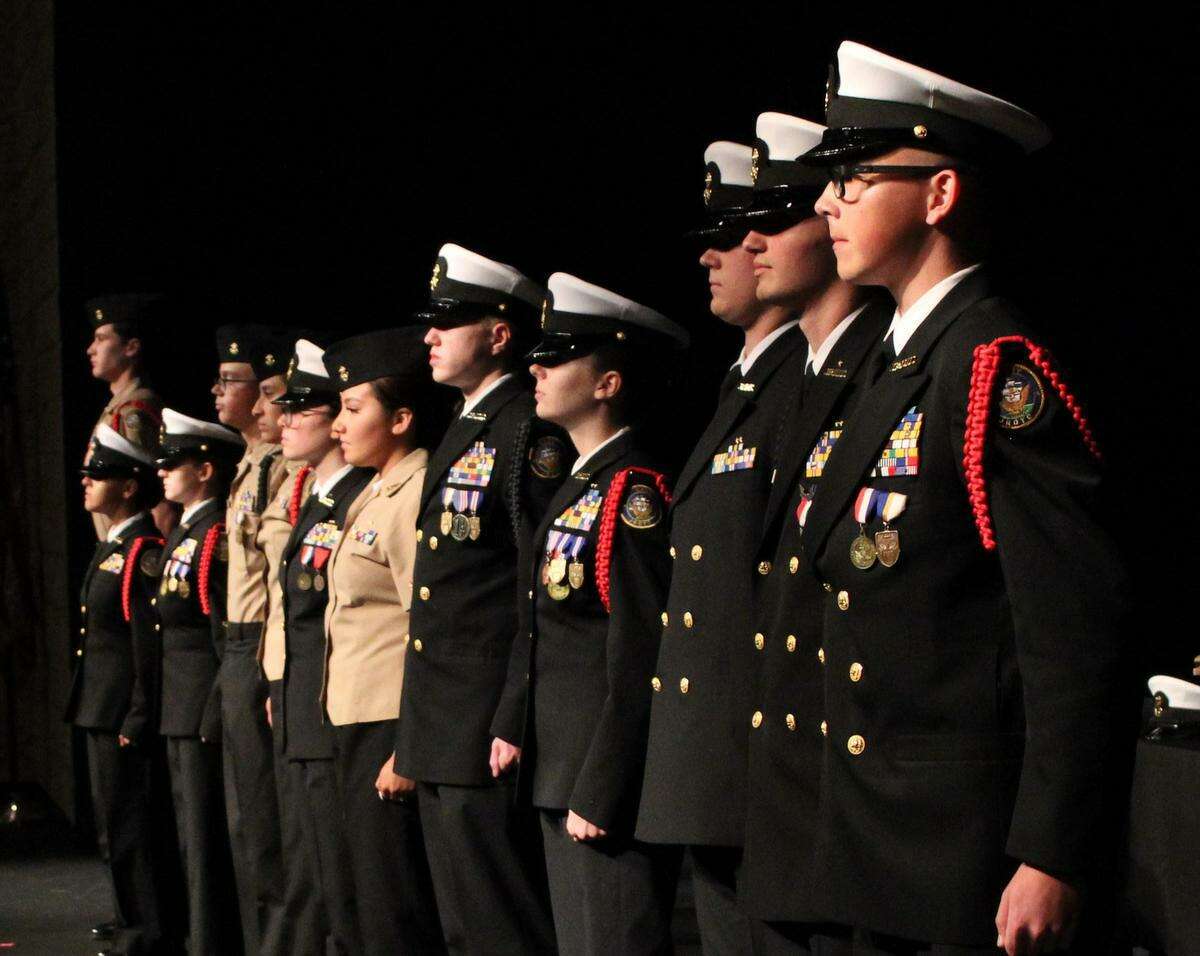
{"type": "Point", "coordinates": [447, 520]}
{"type": "Point", "coordinates": [476, 527]}
{"type": "Point", "coordinates": [173, 585]}
{"type": "Point", "coordinates": [304, 581]}
{"type": "Point", "coordinates": [887, 544]}
{"type": "Point", "coordinates": [546, 572]}
{"type": "Point", "coordinates": [460, 527]}
{"type": "Point", "coordinates": [575, 574]}
{"type": "Point", "coordinates": [162, 588]}
{"type": "Point", "coordinates": [862, 552]}
{"type": "Point", "coordinates": [184, 589]}
{"type": "Point", "coordinates": [558, 591]}
{"type": "Point", "coordinates": [558, 570]}
{"type": "Point", "coordinates": [318, 582]}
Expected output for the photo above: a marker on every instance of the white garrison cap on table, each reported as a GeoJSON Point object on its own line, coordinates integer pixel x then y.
{"type": "Point", "coordinates": [1179, 694]}
{"type": "Point", "coordinates": [307, 381]}
{"type": "Point", "coordinates": [466, 286]}
{"type": "Point", "coordinates": [875, 103]}
{"type": "Point", "coordinates": [182, 434]}
{"type": "Point", "coordinates": [578, 317]}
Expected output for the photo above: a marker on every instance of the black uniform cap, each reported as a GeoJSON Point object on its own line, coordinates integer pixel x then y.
{"type": "Point", "coordinates": [465, 287]}
{"type": "Point", "coordinates": [399, 352]}
{"type": "Point", "coordinates": [135, 311]}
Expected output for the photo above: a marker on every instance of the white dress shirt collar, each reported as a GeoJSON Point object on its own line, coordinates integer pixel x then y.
{"type": "Point", "coordinates": [817, 359]}
{"type": "Point", "coordinates": [583, 460]}
{"type": "Point", "coordinates": [745, 361]}
{"type": "Point", "coordinates": [903, 326]}
{"type": "Point", "coordinates": [191, 510]}
{"type": "Point", "coordinates": [474, 403]}
{"type": "Point", "coordinates": [321, 487]}
{"type": "Point", "coordinates": [117, 530]}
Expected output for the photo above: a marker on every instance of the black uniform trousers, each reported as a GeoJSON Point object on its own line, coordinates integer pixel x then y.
{"type": "Point", "coordinates": [314, 783]}
{"type": "Point", "coordinates": [128, 798]}
{"type": "Point", "coordinates": [303, 912]}
{"type": "Point", "coordinates": [488, 868]}
{"type": "Point", "coordinates": [198, 792]}
{"type": "Point", "coordinates": [614, 895]}
{"type": "Point", "coordinates": [791, 939]}
{"type": "Point", "coordinates": [251, 804]}
{"type": "Point", "coordinates": [397, 911]}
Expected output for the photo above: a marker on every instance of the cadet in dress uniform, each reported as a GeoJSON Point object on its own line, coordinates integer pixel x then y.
{"type": "Point", "coordinates": [695, 764]}
{"type": "Point", "coordinates": [383, 378]}
{"type": "Point", "coordinates": [119, 326]}
{"type": "Point", "coordinates": [198, 462]}
{"type": "Point", "coordinates": [972, 605]}
{"type": "Point", "coordinates": [314, 502]}
{"type": "Point", "coordinates": [115, 694]}
{"type": "Point", "coordinates": [601, 580]}
{"type": "Point", "coordinates": [246, 355]}
{"type": "Point", "coordinates": [485, 490]}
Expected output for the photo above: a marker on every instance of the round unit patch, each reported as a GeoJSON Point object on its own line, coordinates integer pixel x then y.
{"type": "Point", "coordinates": [546, 457]}
{"type": "Point", "coordinates": [642, 508]}
{"type": "Point", "coordinates": [1022, 398]}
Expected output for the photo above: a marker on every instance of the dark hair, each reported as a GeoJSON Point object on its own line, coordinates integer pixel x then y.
{"type": "Point", "coordinates": [642, 372]}
{"type": "Point", "coordinates": [520, 343]}
{"type": "Point", "coordinates": [224, 468]}
{"type": "Point", "coordinates": [395, 392]}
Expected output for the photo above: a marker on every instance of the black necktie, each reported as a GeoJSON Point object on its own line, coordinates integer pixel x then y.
{"type": "Point", "coordinates": [731, 380]}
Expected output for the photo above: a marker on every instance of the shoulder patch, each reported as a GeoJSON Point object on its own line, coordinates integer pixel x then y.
{"type": "Point", "coordinates": [546, 457]}
{"type": "Point", "coordinates": [642, 507]}
{"type": "Point", "coordinates": [1022, 398]}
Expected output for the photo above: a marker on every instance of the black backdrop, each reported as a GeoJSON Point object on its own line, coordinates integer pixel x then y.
{"type": "Point", "coordinates": [302, 168]}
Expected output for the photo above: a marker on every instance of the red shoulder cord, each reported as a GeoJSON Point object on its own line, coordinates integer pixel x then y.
{"type": "Point", "coordinates": [206, 557]}
{"type": "Point", "coordinates": [140, 406]}
{"type": "Point", "coordinates": [608, 524]}
{"type": "Point", "coordinates": [131, 563]}
{"type": "Point", "coordinates": [979, 408]}
{"type": "Point", "coordinates": [297, 494]}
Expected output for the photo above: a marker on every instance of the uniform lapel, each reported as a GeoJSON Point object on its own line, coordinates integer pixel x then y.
{"type": "Point", "coordinates": [735, 406]}
{"type": "Point", "coordinates": [821, 397]}
{"type": "Point", "coordinates": [876, 415]}
{"type": "Point", "coordinates": [463, 431]}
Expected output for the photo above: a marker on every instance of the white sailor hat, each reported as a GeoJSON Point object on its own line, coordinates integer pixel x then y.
{"type": "Point", "coordinates": [578, 317]}
{"type": "Point", "coordinates": [785, 186]}
{"type": "Point", "coordinates": [727, 188]}
{"type": "Point", "coordinates": [307, 380]}
{"type": "Point", "coordinates": [183, 436]}
{"type": "Point", "coordinates": [466, 286]}
{"type": "Point", "coordinates": [115, 456]}
{"type": "Point", "coordinates": [1178, 694]}
{"type": "Point", "coordinates": [875, 103]}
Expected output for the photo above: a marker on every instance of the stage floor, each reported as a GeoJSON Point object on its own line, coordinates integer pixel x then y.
{"type": "Point", "coordinates": [49, 905]}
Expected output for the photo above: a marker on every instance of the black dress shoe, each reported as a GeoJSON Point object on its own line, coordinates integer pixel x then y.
{"type": "Point", "coordinates": [103, 931]}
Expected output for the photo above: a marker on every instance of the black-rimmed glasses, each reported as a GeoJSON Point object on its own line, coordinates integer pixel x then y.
{"type": "Point", "coordinates": [840, 175]}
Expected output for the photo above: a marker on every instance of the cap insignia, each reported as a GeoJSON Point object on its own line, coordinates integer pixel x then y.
{"type": "Point", "coordinates": [233, 348]}
{"type": "Point", "coordinates": [269, 360]}
{"type": "Point", "coordinates": [290, 369]}
{"type": "Point", "coordinates": [436, 277]}
{"type": "Point", "coordinates": [343, 373]}
{"type": "Point", "coordinates": [754, 165]}
{"type": "Point", "coordinates": [502, 306]}
{"type": "Point", "coordinates": [920, 131]}
{"type": "Point", "coordinates": [708, 180]}
{"type": "Point", "coordinates": [545, 311]}
{"type": "Point", "coordinates": [99, 314]}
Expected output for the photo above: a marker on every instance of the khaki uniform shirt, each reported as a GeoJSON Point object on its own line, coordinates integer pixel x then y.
{"type": "Point", "coordinates": [370, 593]}
{"type": "Point", "coordinates": [247, 562]}
{"type": "Point", "coordinates": [273, 534]}
{"type": "Point", "coordinates": [135, 413]}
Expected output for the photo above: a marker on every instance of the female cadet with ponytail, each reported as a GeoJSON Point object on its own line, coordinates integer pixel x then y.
{"type": "Point", "coordinates": [384, 381]}
{"type": "Point", "coordinates": [599, 586]}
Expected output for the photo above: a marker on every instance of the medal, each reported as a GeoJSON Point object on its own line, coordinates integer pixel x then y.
{"type": "Point", "coordinates": [546, 572]}
{"type": "Point", "coordinates": [460, 527]}
{"type": "Point", "coordinates": [173, 585]}
{"type": "Point", "coordinates": [476, 527]}
{"type": "Point", "coordinates": [304, 581]}
{"type": "Point", "coordinates": [446, 522]}
{"type": "Point", "coordinates": [558, 591]}
{"type": "Point", "coordinates": [184, 589]}
{"type": "Point", "coordinates": [887, 543]}
{"type": "Point", "coordinates": [862, 552]}
{"type": "Point", "coordinates": [558, 569]}
{"type": "Point", "coordinates": [575, 574]}
{"type": "Point", "coordinates": [162, 588]}
{"type": "Point", "coordinates": [318, 582]}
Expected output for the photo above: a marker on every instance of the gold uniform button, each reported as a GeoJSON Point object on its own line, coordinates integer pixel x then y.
{"type": "Point", "coordinates": [656, 684]}
{"type": "Point", "coordinates": [764, 567]}
{"type": "Point", "coordinates": [793, 564]}
{"type": "Point", "coordinates": [531, 594]}
{"type": "Point", "coordinates": [791, 643]}
{"type": "Point", "coordinates": [79, 652]}
{"type": "Point", "coordinates": [83, 609]}
{"type": "Point", "coordinates": [684, 686]}
{"type": "Point", "coordinates": [424, 593]}
{"type": "Point", "coordinates": [153, 601]}
{"type": "Point", "coordinates": [158, 627]}
{"type": "Point", "coordinates": [790, 720]}
{"type": "Point", "coordinates": [827, 586]}
{"type": "Point", "coordinates": [856, 744]}
{"type": "Point", "coordinates": [856, 670]}
{"type": "Point", "coordinates": [821, 654]}
{"type": "Point", "coordinates": [759, 641]}
{"type": "Point", "coordinates": [672, 551]}
{"type": "Point", "coordinates": [418, 646]}
{"type": "Point", "coordinates": [697, 552]}
{"type": "Point", "coordinates": [843, 600]}
{"type": "Point", "coordinates": [824, 729]}
{"type": "Point", "coordinates": [433, 542]}
{"type": "Point", "coordinates": [665, 618]}
{"type": "Point", "coordinates": [83, 630]}
{"type": "Point", "coordinates": [756, 719]}
{"type": "Point", "coordinates": [688, 620]}
{"type": "Point", "coordinates": [420, 535]}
